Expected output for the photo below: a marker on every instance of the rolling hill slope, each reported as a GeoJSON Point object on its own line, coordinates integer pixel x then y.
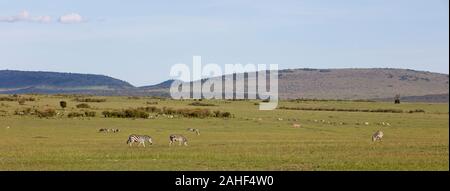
{"type": "Point", "coordinates": [30, 81]}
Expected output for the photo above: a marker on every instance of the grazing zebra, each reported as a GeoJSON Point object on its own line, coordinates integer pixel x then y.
{"type": "Point", "coordinates": [178, 138]}
{"type": "Point", "coordinates": [194, 130]}
{"type": "Point", "coordinates": [377, 136]}
{"type": "Point", "coordinates": [141, 139]}
{"type": "Point", "coordinates": [103, 130]}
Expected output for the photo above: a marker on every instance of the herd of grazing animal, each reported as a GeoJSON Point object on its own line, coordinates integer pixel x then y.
{"type": "Point", "coordinates": [182, 140]}
{"type": "Point", "coordinates": [377, 136]}
{"type": "Point", "coordinates": [142, 139]}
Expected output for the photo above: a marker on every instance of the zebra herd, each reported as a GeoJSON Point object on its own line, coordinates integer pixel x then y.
{"type": "Point", "coordinates": [182, 140]}
{"type": "Point", "coordinates": [142, 139]}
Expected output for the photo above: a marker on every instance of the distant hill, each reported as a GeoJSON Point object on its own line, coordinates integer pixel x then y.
{"type": "Point", "coordinates": [25, 81]}
{"type": "Point", "coordinates": [360, 83]}
{"type": "Point", "coordinates": [375, 84]}
{"type": "Point", "coordinates": [351, 84]}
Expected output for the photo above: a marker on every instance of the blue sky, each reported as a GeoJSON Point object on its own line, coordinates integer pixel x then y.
{"type": "Point", "coordinates": [138, 41]}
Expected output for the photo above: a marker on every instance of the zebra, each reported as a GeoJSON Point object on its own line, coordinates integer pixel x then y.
{"type": "Point", "coordinates": [377, 136]}
{"type": "Point", "coordinates": [194, 130]}
{"type": "Point", "coordinates": [179, 138]}
{"type": "Point", "coordinates": [103, 130]}
{"type": "Point", "coordinates": [115, 130]}
{"type": "Point", "coordinates": [141, 139]}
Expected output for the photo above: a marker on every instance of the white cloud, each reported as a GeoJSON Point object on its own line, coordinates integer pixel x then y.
{"type": "Point", "coordinates": [24, 16]}
{"type": "Point", "coordinates": [71, 18]}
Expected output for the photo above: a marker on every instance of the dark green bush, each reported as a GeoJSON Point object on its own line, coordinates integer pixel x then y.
{"type": "Point", "coordinates": [90, 113]}
{"type": "Point", "coordinates": [127, 113]}
{"type": "Point", "coordinates": [63, 104]}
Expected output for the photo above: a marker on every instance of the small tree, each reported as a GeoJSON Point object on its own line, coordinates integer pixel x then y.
{"type": "Point", "coordinates": [63, 104]}
{"type": "Point", "coordinates": [397, 99]}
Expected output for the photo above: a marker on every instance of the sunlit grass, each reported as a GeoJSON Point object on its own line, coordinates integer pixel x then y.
{"type": "Point", "coordinates": [252, 140]}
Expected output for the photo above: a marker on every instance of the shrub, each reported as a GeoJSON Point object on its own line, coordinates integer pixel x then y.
{"type": "Point", "coordinates": [90, 100]}
{"type": "Point", "coordinates": [63, 104]}
{"type": "Point", "coordinates": [226, 114]}
{"type": "Point", "coordinates": [8, 99]}
{"type": "Point", "coordinates": [127, 113]}
{"type": "Point", "coordinates": [106, 114]}
{"type": "Point", "coordinates": [90, 113]}
{"type": "Point", "coordinates": [75, 114]}
{"type": "Point", "coordinates": [417, 111]}
{"type": "Point", "coordinates": [83, 105]}
{"type": "Point", "coordinates": [150, 109]}
{"type": "Point", "coordinates": [201, 104]}
{"type": "Point", "coordinates": [222, 114]}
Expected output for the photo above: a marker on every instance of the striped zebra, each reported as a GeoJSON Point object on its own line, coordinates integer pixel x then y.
{"type": "Point", "coordinates": [103, 130]}
{"type": "Point", "coordinates": [377, 136]}
{"type": "Point", "coordinates": [141, 139]}
{"type": "Point", "coordinates": [194, 130]}
{"type": "Point", "coordinates": [178, 138]}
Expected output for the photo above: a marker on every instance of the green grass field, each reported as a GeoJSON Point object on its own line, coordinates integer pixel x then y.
{"type": "Point", "coordinates": [251, 140]}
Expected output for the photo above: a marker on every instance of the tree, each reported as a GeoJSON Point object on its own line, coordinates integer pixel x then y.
{"type": "Point", "coordinates": [397, 99]}
{"type": "Point", "coordinates": [63, 104]}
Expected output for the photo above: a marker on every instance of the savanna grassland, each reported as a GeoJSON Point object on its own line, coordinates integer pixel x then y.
{"type": "Point", "coordinates": [416, 136]}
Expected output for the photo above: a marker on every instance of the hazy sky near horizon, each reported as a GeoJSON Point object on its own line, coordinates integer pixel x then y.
{"type": "Point", "coordinates": [138, 41]}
